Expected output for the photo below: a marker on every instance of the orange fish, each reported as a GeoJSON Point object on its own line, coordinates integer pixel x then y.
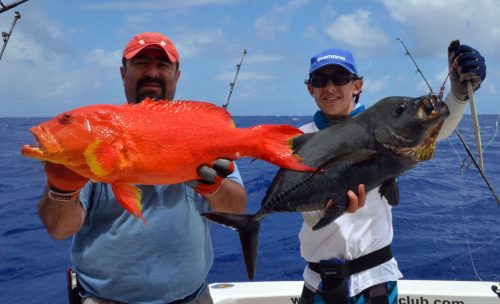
{"type": "Point", "coordinates": [154, 142]}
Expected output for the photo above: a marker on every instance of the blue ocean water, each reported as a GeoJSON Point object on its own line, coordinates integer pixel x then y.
{"type": "Point", "coordinates": [447, 226]}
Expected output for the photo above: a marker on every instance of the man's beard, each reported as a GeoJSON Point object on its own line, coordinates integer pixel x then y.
{"type": "Point", "coordinates": [140, 96]}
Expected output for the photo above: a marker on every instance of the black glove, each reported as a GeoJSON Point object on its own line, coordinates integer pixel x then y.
{"type": "Point", "coordinates": [211, 176]}
{"type": "Point", "coordinates": [466, 64]}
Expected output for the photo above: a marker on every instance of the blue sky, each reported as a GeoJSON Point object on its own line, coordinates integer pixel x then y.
{"type": "Point", "coordinates": [66, 54]}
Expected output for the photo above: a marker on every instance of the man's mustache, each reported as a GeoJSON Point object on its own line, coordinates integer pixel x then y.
{"type": "Point", "coordinates": [157, 96]}
{"type": "Point", "coordinates": [148, 79]}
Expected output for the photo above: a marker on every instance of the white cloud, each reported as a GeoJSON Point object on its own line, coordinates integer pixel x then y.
{"type": "Point", "coordinates": [376, 86]}
{"type": "Point", "coordinates": [262, 58]}
{"type": "Point", "coordinates": [278, 20]}
{"type": "Point", "coordinates": [433, 24]}
{"type": "Point", "coordinates": [357, 32]}
{"type": "Point", "coordinates": [191, 42]}
{"type": "Point", "coordinates": [104, 59]}
{"type": "Point", "coordinates": [229, 76]}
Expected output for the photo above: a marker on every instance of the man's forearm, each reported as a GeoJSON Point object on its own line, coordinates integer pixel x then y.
{"type": "Point", "coordinates": [230, 197]}
{"type": "Point", "coordinates": [457, 109]}
{"type": "Point", "coordinates": [61, 219]}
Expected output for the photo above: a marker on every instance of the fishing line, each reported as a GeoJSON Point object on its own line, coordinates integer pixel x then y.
{"type": "Point", "coordinates": [469, 250]}
{"type": "Point", "coordinates": [468, 164]}
{"type": "Point", "coordinates": [467, 241]}
{"type": "Point", "coordinates": [465, 228]}
{"type": "Point", "coordinates": [494, 135]}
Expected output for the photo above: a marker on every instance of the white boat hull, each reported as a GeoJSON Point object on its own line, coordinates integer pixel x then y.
{"type": "Point", "coordinates": [410, 292]}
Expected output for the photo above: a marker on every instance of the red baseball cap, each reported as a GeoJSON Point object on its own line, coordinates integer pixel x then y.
{"type": "Point", "coordinates": [150, 39]}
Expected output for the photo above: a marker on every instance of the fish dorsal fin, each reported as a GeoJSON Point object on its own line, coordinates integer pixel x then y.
{"type": "Point", "coordinates": [190, 108]}
{"type": "Point", "coordinates": [129, 198]}
{"type": "Point", "coordinates": [390, 191]}
{"type": "Point", "coordinates": [299, 141]}
{"type": "Point", "coordinates": [102, 158]}
{"type": "Point", "coordinates": [348, 159]}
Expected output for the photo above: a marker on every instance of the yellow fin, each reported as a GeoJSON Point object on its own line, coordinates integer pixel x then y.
{"type": "Point", "coordinates": [129, 198]}
{"type": "Point", "coordinates": [102, 159]}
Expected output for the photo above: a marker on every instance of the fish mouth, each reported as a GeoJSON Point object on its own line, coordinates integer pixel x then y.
{"type": "Point", "coordinates": [431, 108]}
{"type": "Point", "coordinates": [46, 146]}
{"type": "Point", "coordinates": [433, 113]}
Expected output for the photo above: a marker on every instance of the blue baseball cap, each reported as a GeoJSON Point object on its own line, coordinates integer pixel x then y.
{"type": "Point", "coordinates": [334, 56]}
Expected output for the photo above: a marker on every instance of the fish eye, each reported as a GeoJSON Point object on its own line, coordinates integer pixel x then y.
{"type": "Point", "coordinates": [66, 118]}
{"type": "Point", "coordinates": [400, 108]}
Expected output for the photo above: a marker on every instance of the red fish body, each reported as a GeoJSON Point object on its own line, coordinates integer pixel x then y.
{"type": "Point", "coordinates": [154, 142]}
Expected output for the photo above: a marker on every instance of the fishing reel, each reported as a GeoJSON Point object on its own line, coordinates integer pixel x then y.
{"type": "Point", "coordinates": [5, 36]}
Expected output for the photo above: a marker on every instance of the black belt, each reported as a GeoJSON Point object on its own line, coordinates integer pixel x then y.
{"type": "Point", "coordinates": [362, 263]}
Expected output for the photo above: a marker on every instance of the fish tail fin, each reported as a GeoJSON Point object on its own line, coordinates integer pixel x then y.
{"type": "Point", "coordinates": [129, 198]}
{"type": "Point", "coordinates": [248, 227]}
{"type": "Point", "coordinates": [274, 144]}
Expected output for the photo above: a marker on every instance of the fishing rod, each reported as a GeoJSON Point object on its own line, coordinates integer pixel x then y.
{"type": "Point", "coordinates": [231, 84]}
{"type": "Point", "coordinates": [477, 166]}
{"type": "Point", "coordinates": [467, 149]}
{"type": "Point", "coordinates": [7, 7]}
{"type": "Point", "coordinates": [475, 124]}
{"type": "Point", "coordinates": [407, 53]}
{"type": "Point", "coordinates": [5, 35]}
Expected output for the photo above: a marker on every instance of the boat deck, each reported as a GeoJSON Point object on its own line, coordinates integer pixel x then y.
{"type": "Point", "coordinates": [410, 292]}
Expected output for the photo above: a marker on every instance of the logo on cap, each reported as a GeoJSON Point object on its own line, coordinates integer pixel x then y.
{"type": "Point", "coordinates": [330, 57]}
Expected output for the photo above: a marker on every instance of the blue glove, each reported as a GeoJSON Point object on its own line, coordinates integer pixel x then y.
{"type": "Point", "coordinates": [465, 64]}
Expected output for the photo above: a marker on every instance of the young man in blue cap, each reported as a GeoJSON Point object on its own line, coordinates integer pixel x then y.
{"type": "Point", "coordinates": [350, 260]}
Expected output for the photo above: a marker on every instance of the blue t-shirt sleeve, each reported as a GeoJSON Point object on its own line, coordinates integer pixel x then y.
{"type": "Point", "coordinates": [235, 176]}
{"type": "Point", "coordinates": [85, 195]}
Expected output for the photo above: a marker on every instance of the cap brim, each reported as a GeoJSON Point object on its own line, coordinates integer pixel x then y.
{"type": "Point", "coordinates": [133, 53]}
{"type": "Point", "coordinates": [332, 63]}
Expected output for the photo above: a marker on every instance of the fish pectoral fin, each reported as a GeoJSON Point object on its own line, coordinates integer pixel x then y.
{"type": "Point", "coordinates": [331, 212]}
{"type": "Point", "coordinates": [347, 159]}
{"type": "Point", "coordinates": [129, 198]}
{"type": "Point", "coordinates": [390, 191]}
{"type": "Point", "coordinates": [299, 141]}
{"type": "Point", "coordinates": [102, 158]}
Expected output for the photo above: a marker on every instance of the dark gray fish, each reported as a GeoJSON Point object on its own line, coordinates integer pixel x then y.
{"type": "Point", "coordinates": [372, 148]}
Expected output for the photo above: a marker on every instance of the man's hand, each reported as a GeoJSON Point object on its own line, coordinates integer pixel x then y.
{"type": "Point", "coordinates": [356, 202]}
{"type": "Point", "coordinates": [211, 176]}
{"type": "Point", "coordinates": [466, 64]}
{"type": "Point", "coordinates": [62, 179]}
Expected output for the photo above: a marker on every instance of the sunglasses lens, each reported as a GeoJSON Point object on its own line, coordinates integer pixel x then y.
{"type": "Point", "coordinates": [320, 80]}
{"type": "Point", "coordinates": [341, 81]}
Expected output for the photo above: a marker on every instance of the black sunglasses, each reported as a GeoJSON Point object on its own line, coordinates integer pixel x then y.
{"type": "Point", "coordinates": [321, 80]}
